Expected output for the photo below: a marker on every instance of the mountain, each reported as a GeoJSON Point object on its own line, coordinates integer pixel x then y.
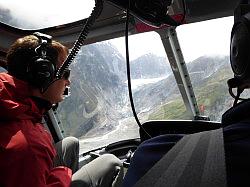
{"type": "Point", "coordinates": [205, 67]}
{"type": "Point", "coordinates": [149, 66]}
{"type": "Point", "coordinates": [97, 83]}
{"type": "Point", "coordinates": [99, 91]}
{"type": "Point", "coordinates": [99, 98]}
{"type": "Point", "coordinates": [208, 76]}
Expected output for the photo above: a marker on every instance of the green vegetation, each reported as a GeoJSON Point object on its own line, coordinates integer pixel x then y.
{"type": "Point", "coordinates": [211, 93]}
{"type": "Point", "coordinates": [173, 110]}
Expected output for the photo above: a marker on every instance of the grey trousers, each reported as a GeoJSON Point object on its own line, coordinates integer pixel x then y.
{"type": "Point", "coordinates": [104, 171]}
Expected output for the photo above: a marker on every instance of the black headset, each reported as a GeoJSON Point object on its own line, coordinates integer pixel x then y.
{"type": "Point", "coordinates": [41, 69]}
{"type": "Point", "coordinates": [240, 43]}
{"type": "Point", "coordinates": [239, 50]}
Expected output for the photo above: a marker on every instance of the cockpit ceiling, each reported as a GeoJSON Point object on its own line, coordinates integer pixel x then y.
{"type": "Point", "coordinates": [195, 10]}
{"type": "Point", "coordinates": [201, 10]}
{"type": "Point", "coordinates": [110, 24]}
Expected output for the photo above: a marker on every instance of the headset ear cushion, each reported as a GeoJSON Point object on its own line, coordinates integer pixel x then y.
{"type": "Point", "coordinates": [41, 69]}
{"type": "Point", "coordinates": [239, 48]}
{"type": "Point", "coordinates": [41, 72]}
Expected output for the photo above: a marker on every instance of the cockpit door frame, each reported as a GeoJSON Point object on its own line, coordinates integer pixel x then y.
{"type": "Point", "coordinates": [172, 47]}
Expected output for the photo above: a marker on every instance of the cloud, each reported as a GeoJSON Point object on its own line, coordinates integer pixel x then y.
{"type": "Point", "coordinates": [5, 15]}
{"type": "Point", "coordinates": [8, 17]}
{"type": "Point", "coordinates": [29, 14]}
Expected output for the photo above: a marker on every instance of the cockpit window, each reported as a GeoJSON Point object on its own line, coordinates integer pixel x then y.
{"type": "Point", "coordinates": [206, 47]}
{"type": "Point", "coordinates": [28, 14]}
{"type": "Point", "coordinates": [98, 110]}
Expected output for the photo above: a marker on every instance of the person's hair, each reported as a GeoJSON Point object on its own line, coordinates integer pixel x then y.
{"type": "Point", "coordinates": [22, 52]}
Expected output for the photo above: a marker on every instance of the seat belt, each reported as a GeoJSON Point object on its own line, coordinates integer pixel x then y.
{"type": "Point", "coordinates": [196, 160]}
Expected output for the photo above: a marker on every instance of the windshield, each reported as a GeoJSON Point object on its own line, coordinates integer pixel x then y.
{"type": "Point", "coordinates": [206, 46]}
{"type": "Point", "coordinates": [40, 14]}
{"type": "Point", "coordinates": [98, 111]}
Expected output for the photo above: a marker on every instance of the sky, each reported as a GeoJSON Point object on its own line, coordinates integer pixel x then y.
{"type": "Point", "coordinates": [205, 38]}
{"type": "Point", "coordinates": [197, 39]}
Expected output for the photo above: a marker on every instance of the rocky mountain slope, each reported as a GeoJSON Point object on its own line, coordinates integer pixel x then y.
{"type": "Point", "coordinates": [100, 98]}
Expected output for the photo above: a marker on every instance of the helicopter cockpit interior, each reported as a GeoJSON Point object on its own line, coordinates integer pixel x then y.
{"type": "Point", "coordinates": [112, 19]}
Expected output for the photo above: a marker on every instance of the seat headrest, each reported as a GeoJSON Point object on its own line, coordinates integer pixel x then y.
{"type": "Point", "coordinates": [237, 113]}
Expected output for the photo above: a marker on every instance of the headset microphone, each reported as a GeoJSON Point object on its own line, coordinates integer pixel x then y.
{"type": "Point", "coordinates": [234, 82]}
{"type": "Point", "coordinates": [67, 91]}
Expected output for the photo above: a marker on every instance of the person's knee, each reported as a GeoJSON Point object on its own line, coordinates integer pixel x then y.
{"type": "Point", "coordinates": [115, 168]}
{"type": "Point", "coordinates": [105, 171]}
{"type": "Point", "coordinates": [109, 163]}
{"type": "Point", "coordinates": [112, 160]}
{"type": "Point", "coordinates": [72, 141]}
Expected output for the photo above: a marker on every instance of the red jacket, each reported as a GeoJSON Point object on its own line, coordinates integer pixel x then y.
{"type": "Point", "coordinates": [26, 149]}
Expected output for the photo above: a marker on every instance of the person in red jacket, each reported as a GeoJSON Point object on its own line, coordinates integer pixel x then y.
{"type": "Point", "coordinates": [28, 157]}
